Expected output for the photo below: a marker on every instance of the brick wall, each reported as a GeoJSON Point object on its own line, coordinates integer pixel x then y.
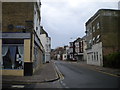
{"type": "Point", "coordinates": [16, 13]}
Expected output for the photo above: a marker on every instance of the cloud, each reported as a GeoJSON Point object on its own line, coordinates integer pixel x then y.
{"type": "Point", "coordinates": [64, 19]}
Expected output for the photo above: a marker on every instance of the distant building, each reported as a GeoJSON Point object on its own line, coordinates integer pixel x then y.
{"type": "Point", "coordinates": [65, 53]}
{"type": "Point", "coordinates": [71, 51]}
{"type": "Point", "coordinates": [57, 54]}
{"type": "Point", "coordinates": [102, 35]}
{"type": "Point", "coordinates": [84, 48]}
{"type": "Point", "coordinates": [22, 51]}
{"type": "Point", "coordinates": [78, 46]}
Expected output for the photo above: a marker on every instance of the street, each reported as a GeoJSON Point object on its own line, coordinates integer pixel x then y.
{"type": "Point", "coordinates": [78, 77]}
{"type": "Point", "coordinates": [73, 75]}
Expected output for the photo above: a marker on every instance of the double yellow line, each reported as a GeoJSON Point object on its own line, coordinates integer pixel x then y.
{"type": "Point", "coordinates": [110, 74]}
{"type": "Point", "coordinates": [58, 73]}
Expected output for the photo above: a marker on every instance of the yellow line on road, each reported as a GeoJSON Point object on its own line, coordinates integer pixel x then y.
{"type": "Point", "coordinates": [110, 74]}
{"type": "Point", "coordinates": [59, 73]}
{"type": "Point", "coordinates": [98, 70]}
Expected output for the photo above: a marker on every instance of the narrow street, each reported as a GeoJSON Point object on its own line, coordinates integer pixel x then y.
{"type": "Point", "coordinates": [78, 77]}
{"type": "Point", "coordinates": [73, 75]}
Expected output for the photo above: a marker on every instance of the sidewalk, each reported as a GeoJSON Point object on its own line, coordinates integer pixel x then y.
{"type": "Point", "coordinates": [110, 71]}
{"type": "Point", "coordinates": [45, 74]}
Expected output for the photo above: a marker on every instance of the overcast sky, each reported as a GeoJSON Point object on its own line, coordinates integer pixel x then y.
{"type": "Point", "coordinates": [64, 20]}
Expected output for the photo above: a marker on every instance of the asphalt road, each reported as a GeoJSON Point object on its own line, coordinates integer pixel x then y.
{"type": "Point", "coordinates": [80, 77]}
{"type": "Point", "coordinates": [74, 76]}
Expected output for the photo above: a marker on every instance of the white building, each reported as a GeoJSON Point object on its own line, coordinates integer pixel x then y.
{"type": "Point", "coordinates": [58, 57]}
{"type": "Point", "coordinates": [71, 53]}
{"type": "Point", "coordinates": [66, 53]}
{"type": "Point", "coordinates": [94, 55]}
{"type": "Point", "coordinates": [46, 42]}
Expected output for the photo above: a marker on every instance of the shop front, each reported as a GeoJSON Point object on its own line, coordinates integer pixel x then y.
{"type": "Point", "coordinates": [13, 53]}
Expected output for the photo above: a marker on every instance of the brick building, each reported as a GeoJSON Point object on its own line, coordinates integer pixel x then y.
{"type": "Point", "coordinates": [22, 51]}
{"type": "Point", "coordinates": [102, 35]}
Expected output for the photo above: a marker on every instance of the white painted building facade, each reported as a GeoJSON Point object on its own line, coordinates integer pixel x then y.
{"type": "Point", "coordinates": [64, 56]}
{"type": "Point", "coordinates": [66, 53]}
{"type": "Point", "coordinates": [94, 55]}
{"type": "Point", "coordinates": [46, 42]}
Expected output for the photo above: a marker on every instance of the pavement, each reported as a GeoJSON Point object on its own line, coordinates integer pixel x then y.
{"type": "Point", "coordinates": [47, 73]}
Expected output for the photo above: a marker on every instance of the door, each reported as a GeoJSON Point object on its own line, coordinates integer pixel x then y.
{"type": "Point", "coordinates": [28, 69]}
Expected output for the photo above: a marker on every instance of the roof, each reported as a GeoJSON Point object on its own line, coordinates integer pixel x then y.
{"type": "Point", "coordinates": [98, 12]}
{"type": "Point", "coordinates": [42, 31]}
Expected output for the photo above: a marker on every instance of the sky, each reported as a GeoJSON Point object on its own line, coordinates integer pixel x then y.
{"type": "Point", "coordinates": [64, 20]}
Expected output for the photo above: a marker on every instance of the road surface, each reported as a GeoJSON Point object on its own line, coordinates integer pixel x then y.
{"type": "Point", "coordinates": [80, 77]}
{"type": "Point", "coordinates": [74, 76]}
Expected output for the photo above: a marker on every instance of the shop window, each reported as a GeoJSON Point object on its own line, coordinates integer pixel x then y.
{"type": "Point", "coordinates": [12, 56]}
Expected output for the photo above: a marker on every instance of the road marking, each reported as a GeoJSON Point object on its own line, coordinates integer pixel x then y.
{"type": "Point", "coordinates": [64, 84]}
{"type": "Point", "coordinates": [59, 73]}
{"type": "Point", "coordinates": [98, 70]}
{"type": "Point", "coordinates": [17, 86]}
{"type": "Point", "coordinates": [107, 73]}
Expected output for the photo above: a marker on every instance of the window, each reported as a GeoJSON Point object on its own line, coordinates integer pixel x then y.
{"type": "Point", "coordinates": [98, 25]}
{"type": "Point", "coordinates": [35, 12]}
{"type": "Point", "coordinates": [90, 30]}
{"type": "Point", "coordinates": [90, 43]}
{"type": "Point", "coordinates": [94, 40]}
{"type": "Point", "coordinates": [36, 28]}
{"type": "Point", "coordinates": [93, 28]}
{"type": "Point", "coordinates": [97, 55]}
{"type": "Point", "coordinates": [94, 56]}
{"type": "Point", "coordinates": [12, 56]}
{"type": "Point", "coordinates": [98, 38]}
